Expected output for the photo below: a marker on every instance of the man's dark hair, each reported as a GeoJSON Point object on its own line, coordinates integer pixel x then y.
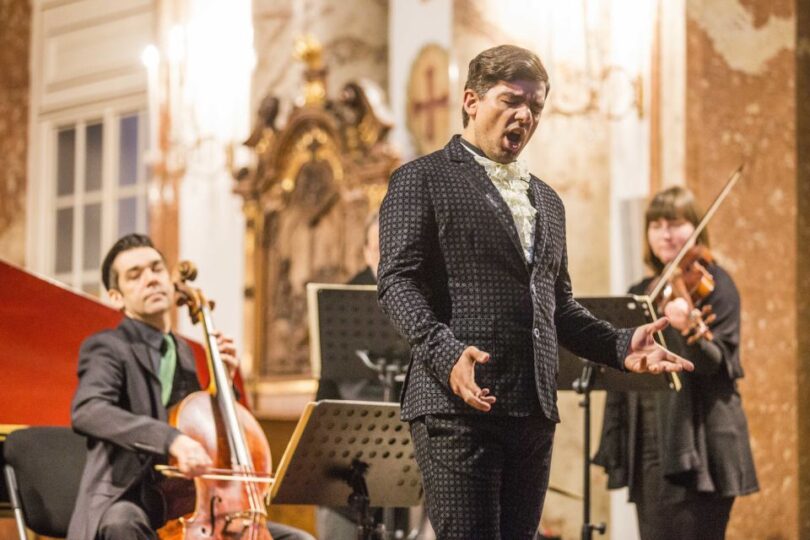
{"type": "Point", "coordinates": [502, 63]}
{"type": "Point", "coordinates": [109, 277]}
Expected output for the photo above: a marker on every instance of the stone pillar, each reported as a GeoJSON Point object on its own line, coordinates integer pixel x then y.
{"type": "Point", "coordinates": [802, 265]}
{"type": "Point", "coordinates": [747, 82]}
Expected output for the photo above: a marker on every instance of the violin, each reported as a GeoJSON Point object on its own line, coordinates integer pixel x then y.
{"type": "Point", "coordinates": [687, 278]}
{"type": "Point", "coordinates": [693, 283]}
{"type": "Point", "coordinates": [229, 500]}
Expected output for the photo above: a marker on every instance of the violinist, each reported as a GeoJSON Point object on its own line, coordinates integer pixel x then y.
{"type": "Point", "coordinates": [684, 455]}
{"type": "Point", "coordinates": [128, 377]}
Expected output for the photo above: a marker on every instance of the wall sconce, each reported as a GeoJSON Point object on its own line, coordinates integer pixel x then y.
{"type": "Point", "coordinates": [199, 81]}
{"type": "Point", "coordinates": [166, 151]}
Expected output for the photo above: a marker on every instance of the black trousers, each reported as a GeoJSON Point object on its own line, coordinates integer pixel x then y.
{"type": "Point", "coordinates": [484, 476]}
{"type": "Point", "coordinates": [668, 511]}
{"type": "Point", "coordinates": [698, 517]}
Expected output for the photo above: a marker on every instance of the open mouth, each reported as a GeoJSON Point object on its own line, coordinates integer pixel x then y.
{"type": "Point", "coordinates": [514, 139]}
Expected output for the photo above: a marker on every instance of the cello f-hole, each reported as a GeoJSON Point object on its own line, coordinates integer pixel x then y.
{"type": "Point", "coordinates": [214, 500]}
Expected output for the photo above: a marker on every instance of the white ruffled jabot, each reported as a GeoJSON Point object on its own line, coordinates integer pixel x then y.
{"type": "Point", "coordinates": [512, 181]}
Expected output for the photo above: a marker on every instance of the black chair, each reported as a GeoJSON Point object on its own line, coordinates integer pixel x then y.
{"type": "Point", "coordinates": [43, 469]}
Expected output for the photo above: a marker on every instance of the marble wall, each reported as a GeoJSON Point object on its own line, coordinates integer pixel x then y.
{"type": "Point", "coordinates": [803, 259]}
{"type": "Point", "coordinates": [15, 36]}
{"type": "Point", "coordinates": [742, 96]}
{"type": "Point", "coordinates": [354, 36]}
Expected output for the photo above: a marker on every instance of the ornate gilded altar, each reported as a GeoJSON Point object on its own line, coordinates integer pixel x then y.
{"type": "Point", "coordinates": [306, 200]}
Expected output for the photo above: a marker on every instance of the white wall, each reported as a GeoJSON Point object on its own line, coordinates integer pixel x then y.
{"type": "Point", "coordinates": [218, 66]}
{"type": "Point", "coordinates": [412, 25]}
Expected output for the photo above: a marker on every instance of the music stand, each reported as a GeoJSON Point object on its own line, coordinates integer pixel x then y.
{"type": "Point", "coordinates": [350, 452]}
{"type": "Point", "coordinates": [346, 323]}
{"type": "Point", "coordinates": [584, 376]}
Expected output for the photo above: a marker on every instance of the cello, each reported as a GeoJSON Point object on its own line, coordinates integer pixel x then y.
{"type": "Point", "coordinates": [229, 500]}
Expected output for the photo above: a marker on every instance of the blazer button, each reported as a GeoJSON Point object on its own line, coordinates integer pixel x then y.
{"type": "Point", "coordinates": [536, 332]}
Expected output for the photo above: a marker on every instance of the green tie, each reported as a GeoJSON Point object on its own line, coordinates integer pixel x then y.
{"type": "Point", "coordinates": [167, 364]}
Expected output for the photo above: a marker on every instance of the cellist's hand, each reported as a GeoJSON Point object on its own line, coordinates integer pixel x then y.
{"type": "Point", "coordinates": [227, 351]}
{"type": "Point", "coordinates": [192, 459]}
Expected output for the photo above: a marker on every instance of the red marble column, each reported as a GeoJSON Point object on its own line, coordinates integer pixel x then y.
{"type": "Point", "coordinates": [15, 38]}
{"type": "Point", "coordinates": [744, 85]}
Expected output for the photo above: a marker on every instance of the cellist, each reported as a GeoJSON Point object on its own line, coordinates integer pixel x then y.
{"type": "Point", "coordinates": [128, 378]}
{"type": "Point", "coordinates": [684, 455]}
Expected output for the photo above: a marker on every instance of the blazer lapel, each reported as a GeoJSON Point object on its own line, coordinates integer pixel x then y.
{"type": "Point", "coordinates": [478, 178]}
{"type": "Point", "coordinates": [141, 353]}
{"type": "Point", "coordinates": [541, 224]}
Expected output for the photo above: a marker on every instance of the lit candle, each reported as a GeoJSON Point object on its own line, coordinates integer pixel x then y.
{"type": "Point", "coordinates": [175, 72]}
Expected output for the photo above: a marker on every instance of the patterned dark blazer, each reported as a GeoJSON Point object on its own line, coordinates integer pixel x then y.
{"type": "Point", "coordinates": [452, 274]}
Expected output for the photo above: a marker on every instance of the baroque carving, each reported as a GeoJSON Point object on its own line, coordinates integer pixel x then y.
{"type": "Point", "coordinates": [314, 182]}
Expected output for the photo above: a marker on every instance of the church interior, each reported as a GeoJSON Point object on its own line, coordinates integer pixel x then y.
{"type": "Point", "coordinates": [255, 138]}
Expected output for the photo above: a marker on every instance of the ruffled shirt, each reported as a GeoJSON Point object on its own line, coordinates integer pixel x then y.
{"type": "Point", "coordinates": [512, 182]}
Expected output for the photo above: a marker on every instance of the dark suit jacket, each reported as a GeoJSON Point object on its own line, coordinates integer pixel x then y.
{"type": "Point", "coordinates": [453, 274]}
{"type": "Point", "coordinates": [117, 406]}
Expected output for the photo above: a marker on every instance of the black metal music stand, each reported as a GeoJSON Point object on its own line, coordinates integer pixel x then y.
{"type": "Point", "coordinates": [352, 339]}
{"type": "Point", "coordinates": [583, 377]}
{"type": "Point", "coordinates": [346, 326]}
{"type": "Point", "coordinates": [350, 452]}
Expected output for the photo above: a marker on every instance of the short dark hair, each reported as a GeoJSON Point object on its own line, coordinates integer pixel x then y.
{"type": "Point", "coordinates": [502, 63]}
{"type": "Point", "coordinates": [676, 202]}
{"type": "Point", "coordinates": [109, 277]}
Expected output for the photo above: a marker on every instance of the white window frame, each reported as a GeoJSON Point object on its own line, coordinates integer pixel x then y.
{"type": "Point", "coordinates": [85, 65]}
{"type": "Point", "coordinates": [46, 202]}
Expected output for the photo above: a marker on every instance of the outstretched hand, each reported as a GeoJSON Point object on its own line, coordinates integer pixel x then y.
{"type": "Point", "coordinates": [462, 380]}
{"type": "Point", "coordinates": [647, 356]}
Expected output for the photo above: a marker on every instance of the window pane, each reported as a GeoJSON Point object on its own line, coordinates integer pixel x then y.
{"type": "Point", "coordinates": [66, 161]}
{"type": "Point", "coordinates": [127, 215]}
{"type": "Point", "coordinates": [93, 151]}
{"type": "Point", "coordinates": [64, 240]}
{"type": "Point", "coordinates": [128, 155]}
{"type": "Point", "coordinates": [92, 236]}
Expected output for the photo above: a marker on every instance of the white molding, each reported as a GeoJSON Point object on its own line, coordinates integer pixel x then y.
{"type": "Point", "coordinates": [89, 50]}
{"type": "Point", "coordinates": [78, 209]}
{"type": "Point", "coordinates": [34, 250]}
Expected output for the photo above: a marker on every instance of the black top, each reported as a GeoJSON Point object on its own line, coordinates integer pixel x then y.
{"type": "Point", "coordinates": [700, 433]}
{"type": "Point", "coordinates": [364, 277]}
